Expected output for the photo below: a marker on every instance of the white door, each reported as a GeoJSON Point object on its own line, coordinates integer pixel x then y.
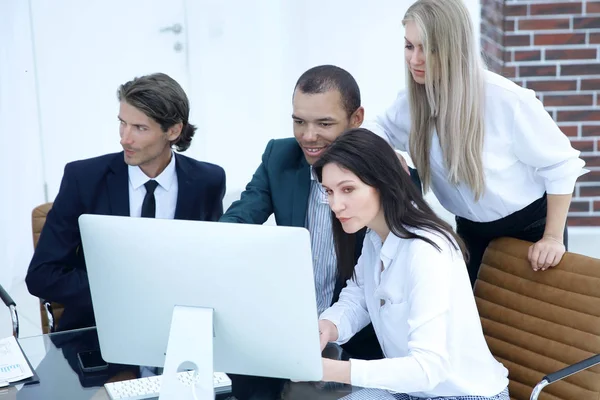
{"type": "Point", "coordinates": [83, 51]}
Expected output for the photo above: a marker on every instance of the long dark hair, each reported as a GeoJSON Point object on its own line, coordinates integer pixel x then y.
{"type": "Point", "coordinates": [375, 163]}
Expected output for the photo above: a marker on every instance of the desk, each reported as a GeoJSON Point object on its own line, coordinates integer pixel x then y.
{"type": "Point", "coordinates": [54, 358]}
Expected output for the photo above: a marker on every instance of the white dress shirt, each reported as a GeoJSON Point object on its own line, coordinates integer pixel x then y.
{"type": "Point", "coordinates": [165, 193]}
{"type": "Point", "coordinates": [428, 325]}
{"type": "Point", "coordinates": [524, 153]}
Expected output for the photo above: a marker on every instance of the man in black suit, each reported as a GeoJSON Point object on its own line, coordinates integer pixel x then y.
{"type": "Point", "coordinates": [146, 179]}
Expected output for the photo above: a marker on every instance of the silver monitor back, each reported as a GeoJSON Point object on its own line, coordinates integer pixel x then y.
{"type": "Point", "coordinates": [258, 279]}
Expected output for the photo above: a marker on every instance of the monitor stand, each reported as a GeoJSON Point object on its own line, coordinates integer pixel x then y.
{"type": "Point", "coordinates": [190, 345]}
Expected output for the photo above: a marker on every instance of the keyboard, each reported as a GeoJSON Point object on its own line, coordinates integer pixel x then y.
{"type": "Point", "coordinates": [148, 388]}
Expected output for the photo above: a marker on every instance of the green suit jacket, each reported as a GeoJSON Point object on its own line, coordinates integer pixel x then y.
{"type": "Point", "coordinates": [280, 186]}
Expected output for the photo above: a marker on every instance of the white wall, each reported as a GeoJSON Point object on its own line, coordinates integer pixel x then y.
{"type": "Point", "coordinates": [83, 51]}
{"type": "Point", "coordinates": [240, 84]}
{"type": "Point", "coordinates": [21, 174]}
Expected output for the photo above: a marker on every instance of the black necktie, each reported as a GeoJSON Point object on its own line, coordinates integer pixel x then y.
{"type": "Point", "coordinates": [149, 204]}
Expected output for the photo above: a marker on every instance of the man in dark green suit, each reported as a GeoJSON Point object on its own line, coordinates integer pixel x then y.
{"type": "Point", "coordinates": [326, 102]}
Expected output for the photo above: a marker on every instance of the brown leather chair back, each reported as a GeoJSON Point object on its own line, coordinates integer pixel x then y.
{"type": "Point", "coordinates": [536, 323]}
{"type": "Point", "coordinates": [38, 219]}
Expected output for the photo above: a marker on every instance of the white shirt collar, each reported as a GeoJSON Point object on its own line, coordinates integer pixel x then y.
{"type": "Point", "coordinates": [387, 250]}
{"type": "Point", "coordinates": [137, 177]}
{"type": "Point", "coordinates": [312, 176]}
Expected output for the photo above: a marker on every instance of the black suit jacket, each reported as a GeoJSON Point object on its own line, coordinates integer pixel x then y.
{"type": "Point", "coordinates": [100, 185]}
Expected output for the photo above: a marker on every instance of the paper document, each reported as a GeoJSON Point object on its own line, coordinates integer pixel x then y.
{"type": "Point", "coordinates": [13, 365]}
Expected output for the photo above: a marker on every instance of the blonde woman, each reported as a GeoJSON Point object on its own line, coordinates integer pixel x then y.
{"type": "Point", "coordinates": [486, 146]}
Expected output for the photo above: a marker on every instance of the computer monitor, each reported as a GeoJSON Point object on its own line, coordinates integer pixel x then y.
{"type": "Point", "coordinates": [258, 280]}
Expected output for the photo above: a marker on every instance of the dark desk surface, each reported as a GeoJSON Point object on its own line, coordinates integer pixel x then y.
{"type": "Point", "coordinates": [54, 358]}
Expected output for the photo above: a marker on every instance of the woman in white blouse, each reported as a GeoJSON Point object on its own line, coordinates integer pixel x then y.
{"type": "Point", "coordinates": [410, 282]}
{"type": "Point", "coordinates": [486, 146]}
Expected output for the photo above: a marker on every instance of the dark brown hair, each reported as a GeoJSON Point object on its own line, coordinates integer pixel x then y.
{"type": "Point", "coordinates": [161, 98]}
{"type": "Point", "coordinates": [376, 164]}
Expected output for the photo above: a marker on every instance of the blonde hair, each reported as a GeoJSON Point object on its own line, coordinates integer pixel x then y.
{"type": "Point", "coordinates": [452, 98]}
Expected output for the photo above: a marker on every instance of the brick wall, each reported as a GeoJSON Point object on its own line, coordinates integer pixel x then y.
{"type": "Point", "coordinates": [553, 47]}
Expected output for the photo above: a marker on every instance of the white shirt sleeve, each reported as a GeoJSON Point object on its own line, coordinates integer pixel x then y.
{"type": "Point", "coordinates": [394, 124]}
{"type": "Point", "coordinates": [349, 314]}
{"type": "Point", "coordinates": [426, 364]}
{"type": "Point", "coordinates": [539, 142]}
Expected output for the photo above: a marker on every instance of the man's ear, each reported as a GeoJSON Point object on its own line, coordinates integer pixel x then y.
{"type": "Point", "coordinates": [174, 132]}
{"type": "Point", "coordinates": [357, 117]}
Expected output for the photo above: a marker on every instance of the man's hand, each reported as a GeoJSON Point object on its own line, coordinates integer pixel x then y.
{"type": "Point", "coordinates": [403, 162]}
{"type": "Point", "coordinates": [546, 253]}
{"type": "Point", "coordinates": [327, 332]}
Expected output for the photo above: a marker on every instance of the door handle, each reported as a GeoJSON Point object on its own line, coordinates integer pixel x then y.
{"type": "Point", "coordinates": [175, 28]}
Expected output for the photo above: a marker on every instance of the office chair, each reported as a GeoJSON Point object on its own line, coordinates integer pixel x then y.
{"type": "Point", "coordinates": [541, 325]}
{"type": "Point", "coordinates": [50, 311]}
